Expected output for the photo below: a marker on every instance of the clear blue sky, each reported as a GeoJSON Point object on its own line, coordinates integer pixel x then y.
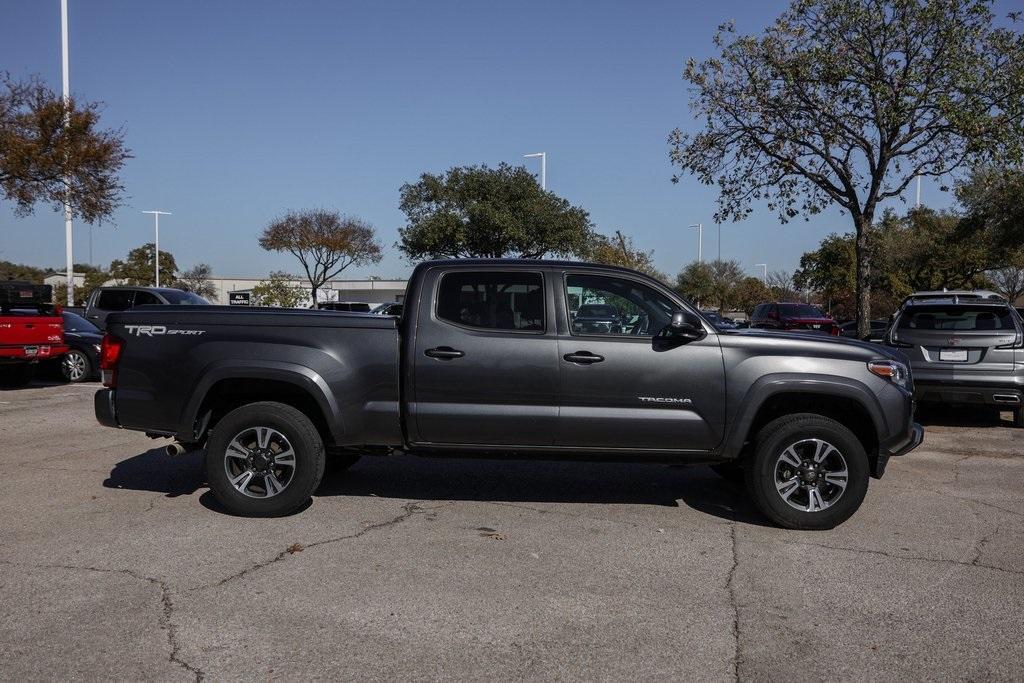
{"type": "Point", "coordinates": [235, 112]}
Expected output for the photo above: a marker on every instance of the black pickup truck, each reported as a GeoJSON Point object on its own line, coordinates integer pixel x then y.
{"type": "Point", "coordinates": [486, 360]}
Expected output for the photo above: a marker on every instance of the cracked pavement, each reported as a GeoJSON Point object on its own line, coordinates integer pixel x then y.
{"type": "Point", "coordinates": [115, 563]}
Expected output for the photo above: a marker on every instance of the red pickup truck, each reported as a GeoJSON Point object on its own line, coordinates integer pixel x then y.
{"type": "Point", "coordinates": [31, 330]}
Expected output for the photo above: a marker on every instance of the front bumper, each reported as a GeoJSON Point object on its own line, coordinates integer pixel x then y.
{"type": "Point", "coordinates": [899, 445]}
{"type": "Point", "coordinates": [103, 403]}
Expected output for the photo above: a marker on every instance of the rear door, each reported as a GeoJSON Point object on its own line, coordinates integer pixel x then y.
{"type": "Point", "coordinates": [626, 388]}
{"type": "Point", "coordinates": [106, 301]}
{"type": "Point", "coordinates": [485, 364]}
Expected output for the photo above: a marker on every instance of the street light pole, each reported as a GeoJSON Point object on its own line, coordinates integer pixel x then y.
{"type": "Point", "coordinates": [919, 192]}
{"type": "Point", "coordinates": [66, 91]}
{"type": "Point", "coordinates": [156, 244]}
{"type": "Point", "coordinates": [700, 241]}
{"type": "Point", "coordinates": [764, 278]}
{"type": "Point", "coordinates": [543, 167]}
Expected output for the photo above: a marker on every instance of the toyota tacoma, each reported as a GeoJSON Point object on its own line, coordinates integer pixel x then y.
{"type": "Point", "coordinates": [487, 359]}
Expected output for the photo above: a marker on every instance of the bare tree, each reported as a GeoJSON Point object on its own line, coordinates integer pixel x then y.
{"type": "Point", "coordinates": [325, 242]}
{"type": "Point", "coordinates": [197, 280]}
{"type": "Point", "coordinates": [1009, 281]}
{"type": "Point", "coordinates": [846, 102]}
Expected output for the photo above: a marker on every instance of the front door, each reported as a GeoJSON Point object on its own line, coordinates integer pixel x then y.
{"type": "Point", "coordinates": [622, 386]}
{"type": "Point", "coordinates": [486, 368]}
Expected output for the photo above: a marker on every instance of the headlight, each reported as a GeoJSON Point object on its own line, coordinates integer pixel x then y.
{"type": "Point", "coordinates": [895, 372]}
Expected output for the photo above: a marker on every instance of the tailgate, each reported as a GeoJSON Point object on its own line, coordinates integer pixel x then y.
{"type": "Point", "coordinates": [30, 330]}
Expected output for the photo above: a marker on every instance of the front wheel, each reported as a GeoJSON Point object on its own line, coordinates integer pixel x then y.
{"type": "Point", "coordinates": [264, 460]}
{"type": "Point", "coordinates": [808, 472]}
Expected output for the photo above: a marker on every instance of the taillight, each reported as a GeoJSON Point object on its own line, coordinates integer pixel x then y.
{"type": "Point", "coordinates": [110, 353]}
{"type": "Point", "coordinates": [835, 330]}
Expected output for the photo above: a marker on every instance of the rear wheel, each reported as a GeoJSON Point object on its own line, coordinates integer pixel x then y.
{"type": "Point", "coordinates": [75, 366]}
{"type": "Point", "coordinates": [264, 460]}
{"type": "Point", "coordinates": [808, 472]}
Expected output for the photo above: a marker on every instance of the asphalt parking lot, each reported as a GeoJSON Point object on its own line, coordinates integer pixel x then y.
{"type": "Point", "coordinates": [115, 563]}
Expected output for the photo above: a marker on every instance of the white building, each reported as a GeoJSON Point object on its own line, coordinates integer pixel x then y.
{"type": "Point", "coordinates": [366, 291]}
{"type": "Point", "coordinates": [62, 279]}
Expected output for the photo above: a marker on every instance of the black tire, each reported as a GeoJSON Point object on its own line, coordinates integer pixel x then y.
{"type": "Point", "coordinates": [17, 375]}
{"type": "Point", "coordinates": [800, 434]}
{"type": "Point", "coordinates": [75, 366]}
{"type": "Point", "coordinates": [730, 471]}
{"type": "Point", "coordinates": [295, 431]}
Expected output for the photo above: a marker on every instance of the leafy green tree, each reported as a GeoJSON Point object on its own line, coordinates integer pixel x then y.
{"type": "Point", "coordinates": [197, 280]}
{"type": "Point", "coordinates": [52, 150]}
{"type": "Point", "coordinates": [750, 292]}
{"type": "Point", "coordinates": [991, 199]}
{"type": "Point", "coordinates": [725, 278]}
{"type": "Point", "coordinates": [478, 211]}
{"type": "Point", "coordinates": [846, 102]}
{"type": "Point", "coordinates": [20, 271]}
{"type": "Point", "coordinates": [324, 242]}
{"type": "Point", "coordinates": [696, 282]}
{"type": "Point", "coordinates": [618, 250]}
{"type": "Point", "coordinates": [278, 291]}
{"type": "Point", "coordinates": [137, 268]}
{"type": "Point", "coordinates": [830, 269]}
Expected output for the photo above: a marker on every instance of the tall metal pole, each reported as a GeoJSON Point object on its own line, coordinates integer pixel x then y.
{"type": "Point", "coordinates": [700, 241]}
{"type": "Point", "coordinates": [919, 192]}
{"type": "Point", "coordinates": [543, 167]}
{"type": "Point", "coordinates": [66, 91]}
{"type": "Point", "coordinates": [719, 241]}
{"type": "Point", "coordinates": [156, 244]}
{"type": "Point", "coordinates": [764, 278]}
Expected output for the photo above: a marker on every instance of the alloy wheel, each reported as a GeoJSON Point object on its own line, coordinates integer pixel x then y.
{"type": "Point", "coordinates": [811, 475]}
{"type": "Point", "coordinates": [74, 365]}
{"type": "Point", "coordinates": [260, 462]}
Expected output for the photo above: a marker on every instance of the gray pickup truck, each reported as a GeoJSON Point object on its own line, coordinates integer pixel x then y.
{"type": "Point", "coordinates": [487, 359]}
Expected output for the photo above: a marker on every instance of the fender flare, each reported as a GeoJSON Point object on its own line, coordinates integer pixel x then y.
{"type": "Point", "coordinates": [778, 383]}
{"type": "Point", "coordinates": [300, 376]}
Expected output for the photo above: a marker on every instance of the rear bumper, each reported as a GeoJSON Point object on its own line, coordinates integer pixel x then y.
{"type": "Point", "coordinates": [1008, 395]}
{"type": "Point", "coordinates": [103, 403]}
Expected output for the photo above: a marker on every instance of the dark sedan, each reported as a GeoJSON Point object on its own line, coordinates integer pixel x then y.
{"type": "Point", "coordinates": [81, 362]}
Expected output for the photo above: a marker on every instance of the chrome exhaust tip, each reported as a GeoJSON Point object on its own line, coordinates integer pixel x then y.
{"type": "Point", "coordinates": [176, 448]}
{"type": "Point", "coordinates": [1006, 398]}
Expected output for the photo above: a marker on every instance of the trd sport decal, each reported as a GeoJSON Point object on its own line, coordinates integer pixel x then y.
{"type": "Point", "coordinates": [154, 330]}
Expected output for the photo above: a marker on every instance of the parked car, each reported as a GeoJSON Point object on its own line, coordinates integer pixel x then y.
{"type": "Point", "coordinates": [82, 361]}
{"type": "Point", "coordinates": [719, 321]}
{"type": "Point", "coordinates": [350, 306]}
{"type": "Point", "coordinates": [963, 350]}
{"type": "Point", "coordinates": [794, 317]}
{"type": "Point", "coordinates": [103, 301]}
{"type": "Point", "coordinates": [598, 318]}
{"type": "Point", "coordinates": [30, 331]}
{"type": "Point", "coordinates": [388, 309]}
{"type": "Point", "coordinates": [487, 361]}
{"type": "Point", "coordinates": [877, 334]}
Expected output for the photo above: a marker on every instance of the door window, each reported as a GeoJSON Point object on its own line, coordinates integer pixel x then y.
{"type": "Point", "coordinates": [604, 305]}
{"type": "Point", "coordinates": [493, 300]}
{"type": "Point", "coordinates": [114, 300]}
{"type": "Point", "coordinates": [145, 299]}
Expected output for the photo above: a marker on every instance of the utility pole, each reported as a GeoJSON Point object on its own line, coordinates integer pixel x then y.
{"type": "Point", "coordinates": [919, 192]}
{"type": "Point", "coordinates": [156, 243]}
{"type": "Point", "coordinates": [764, 278]}
{"type": "Point", "coordinates": [700, 241]}
{"type": "Point", "coordinates": [66, 91]}
{"type": "Point", "coordinates": [543, 167]}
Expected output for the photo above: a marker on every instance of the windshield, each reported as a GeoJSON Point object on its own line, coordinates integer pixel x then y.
{"type": "Point", "coordinates": [957, 318]}
{"type": "Point", "coordinates": [800, 311]}
{"type": "Point", "coordinates": [174, 296]}
{"type": "Point", "coordinates": [76, 323]}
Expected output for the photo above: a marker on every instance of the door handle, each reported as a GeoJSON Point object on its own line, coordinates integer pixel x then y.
{"type": "Point", "coordinates": [583, 357]}
{"type": "Point", "coordinates": [444, 353]}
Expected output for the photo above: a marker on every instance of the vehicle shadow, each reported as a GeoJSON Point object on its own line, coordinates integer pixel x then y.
{"type": "Point", "coordinates": [458, 479]}
{"type": "Point", "coordinates": [962, 416]}
{"type": "Point", "coordinates": [158, 472]}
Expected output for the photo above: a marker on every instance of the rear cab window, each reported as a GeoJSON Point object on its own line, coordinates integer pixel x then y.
{"type": "Point", "coordinates": [492, 300]}
{"type": "Point", "coordinates": [800, 311]}
{"type": "Point", "coordinates": [114, 300]}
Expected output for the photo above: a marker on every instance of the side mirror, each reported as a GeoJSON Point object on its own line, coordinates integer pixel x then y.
{"type": "Point", "coordinates": [685, 325]}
